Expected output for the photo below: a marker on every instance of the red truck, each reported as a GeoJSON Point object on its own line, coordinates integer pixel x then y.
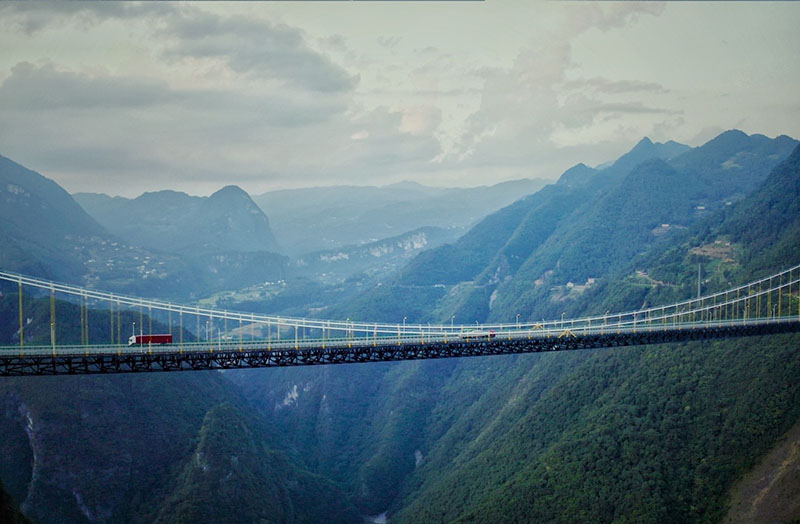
{"type": "Point", "coordinates": [142, 340]}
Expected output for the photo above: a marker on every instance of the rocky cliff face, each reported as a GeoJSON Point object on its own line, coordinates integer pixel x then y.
{"type": "Point", "coordinates": [151, 448]}
{"type": "Point", "coordinates": [97, 449]}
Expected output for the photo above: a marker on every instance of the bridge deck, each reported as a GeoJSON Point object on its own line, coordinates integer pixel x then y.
{"type": "Point", "coordinates": [81, 360]}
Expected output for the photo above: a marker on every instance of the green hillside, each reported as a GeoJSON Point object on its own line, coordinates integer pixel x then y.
{"type": "Point", "coordinates": [80, 449]}
{"type": "Point", "coordinates": [655, 201]}
{"type": "Point", "coordinates": [40, 224]}
{"type": "Point", "coordinates": [627, 435]}
{"type": "Point", "coordinates": [233, 476]}
{"type": "Point", "coordinates": [643, 151]}
{"type": "Point", "coordinates": [655, 434]}
{"type": "Point", "coordinates": [528, 258]}
{"type": "Point", "coordinates": [742, 242]}
{"type": "Point", "coordinates": [637, 435]}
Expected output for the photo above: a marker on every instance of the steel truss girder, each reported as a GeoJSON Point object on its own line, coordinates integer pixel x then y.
{"type": "Point", "coordinates": [232, 359]}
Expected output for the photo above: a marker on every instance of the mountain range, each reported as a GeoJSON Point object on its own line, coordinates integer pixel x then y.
{"type": "Point", "coordinates": [537, 255]}
{"type": "Point", "coordinates": [655, 434]}
{"type": "Point", "coordinates": [374, 259]}
{"type": "Point", "coordinates": [650, 434]}
{"type": "Point", "coordinates": [385, 226]}
{"type": "Point", "coordinates": [316, 219]}
{"type": "Point", "coordinates": [226, 221]}
{"type": "Point", "coordinates": [45, 232]}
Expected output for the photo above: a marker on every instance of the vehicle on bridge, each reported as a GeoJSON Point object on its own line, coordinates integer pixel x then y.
{"type": "Point", "coordinates": [477, 333]}
{"type": "Point", "coordinates": [141, 340]}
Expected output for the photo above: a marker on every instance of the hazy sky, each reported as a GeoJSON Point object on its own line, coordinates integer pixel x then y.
{"type": "Point", "coordinates": [122, 98]}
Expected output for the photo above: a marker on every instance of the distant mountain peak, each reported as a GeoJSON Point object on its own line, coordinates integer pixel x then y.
{"type": "Point", "coordinates": [645, 150]}
{"type": "Point", "coordinates": [230, 190]}
{"type": "Point", "coordinates": [407, 184]}
{"type": "Point", "coordinates": [577, 175]}
{"type": "Point", "coordinates": [165, 196]}
{"type": "Point", "coordinates": [732, 133]}
{"type": "Point", "coordinates": [733, 138]}
{"type": "Point", "coordinates": [174, 221]}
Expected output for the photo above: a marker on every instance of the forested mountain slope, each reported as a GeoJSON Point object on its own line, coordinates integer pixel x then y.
{"type": "Point", "coordinates": [640, 434]}
{"type": "Point", "coordinates": [538, 255]}
{"type": "Point", "coordinates": [742, 242]}
{"type": "Point", "coordinates": [644, 434]}
{"type": "Point", "coordinates": [40, 224]}
{"type": "Point", "coordinates": [656, 434]}
{"type": "Point", "coordinates": [45, 233]}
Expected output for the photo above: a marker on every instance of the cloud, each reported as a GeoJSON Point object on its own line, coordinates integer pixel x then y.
{"type": "Point", "coordinates": [83, 126]}
{"type": "Point", "coordinates": [192, 96]}
{"type": "Point", "coordinates": [630, 108]}
{"type": "Point", "coordinates": [420, 119]}
{"type": "Point", "coordinates": [606, 16]}
{"type": "Point", "coordinates": [337, 43]}
{"type": "Point", "coordinates": [43, 89]}
{"type": "Point", "coordinates": [604, 85]}
{"type": "Point", "coordinates": [285, 112]}
{"type": "Point", "coordinates": [389, 41]}
{"type": "Point", "coordinates": [392, 147]}
{"type": "Point", "coordinates": [246, 45]}
{"type": "Point", "coordinates": [32, 17]}
{"type": "Point", "coordinates": [39, 88]}
{"type": "Point", "coordinates": [254, 47]}
{"type": "Point", "coordinates": [89, 129]}
{"type": "Point", "coordinates": [527, 110]}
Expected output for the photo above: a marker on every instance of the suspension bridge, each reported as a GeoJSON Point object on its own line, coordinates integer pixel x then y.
{"type": "Point", "coordinates": [204, 338]}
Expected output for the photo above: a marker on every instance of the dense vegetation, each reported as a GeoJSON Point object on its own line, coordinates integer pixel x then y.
{"type": "Point", "coordinates": [138, 448]}
{"type": "Point", "coordinates": [750, 239]}
{"type": "Point", "coordinates": [233, 476]}
{"type": "Point", "coordinates": [635, 435]}
{"type": "Point", "coordinates": [654, 434]}
{"type": "Point", "coordinates": [124, 457]}
{"type": "Point", "coordinates": [491, 428]}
